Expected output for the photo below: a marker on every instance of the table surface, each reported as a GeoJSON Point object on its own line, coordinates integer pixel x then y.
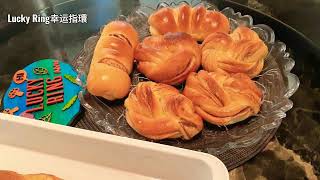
{"type": "Point", "coordinates": [295, 151]}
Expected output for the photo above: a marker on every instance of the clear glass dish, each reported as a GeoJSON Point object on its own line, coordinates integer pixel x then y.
{"type": "Point", "coordinates": [277, 82]}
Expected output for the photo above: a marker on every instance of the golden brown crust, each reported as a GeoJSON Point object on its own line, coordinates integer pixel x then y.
{"type": "Point", "coordinates": [198, 21]}
{"type": "Point", "coordinates": [112, 61]}
{"type": "Point", "coordinates": [240, 52]}
{"type": "Point", "coordinates": [169, 58]}
{"type": "Point", "coordinates": [222, 98]}
{"type": "Point", "coordinates": [158, 111]}
{"type": "Point", "coordinates": [40, 177]}
{"type": "Point", "coordinates": [11, 175]}
{"type": "Point", "coordinates": [124, 29]}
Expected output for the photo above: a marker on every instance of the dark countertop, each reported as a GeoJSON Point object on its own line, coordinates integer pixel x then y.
{"type": "Point", "coordinates": [292, 154]}
{"type": "Point", "coordinates": [295, 151]}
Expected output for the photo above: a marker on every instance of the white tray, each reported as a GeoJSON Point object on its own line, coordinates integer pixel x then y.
{"type": "Point", "coordinates": [30, 146]}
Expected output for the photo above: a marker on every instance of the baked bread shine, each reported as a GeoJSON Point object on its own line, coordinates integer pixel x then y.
{"type": "Point", "coordinates": [11, 175]}
{"type": "Point", "coordinates": [240, 52]}
{"type": "Point", "coordinates": [158, 111]}
{"type": "Point", "coordinates": [168, 58]}
{"type": "Point", "coordinates": [222, 98]}
{"type": "Point", "coordinates": [197, 21]}
{"type": "Point", "coordinates": [112, 61]}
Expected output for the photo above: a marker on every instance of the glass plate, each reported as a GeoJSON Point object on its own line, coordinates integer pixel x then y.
{"type": "Point", "coordinates": [276, 81]}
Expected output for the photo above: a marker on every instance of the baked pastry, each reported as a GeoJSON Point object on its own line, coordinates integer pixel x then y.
{"type": "Point", "coordinates": [11, 175]}
{"type": "Point", "coordinates": [240, 52]}
{"type": "Point", "coordinates": [112, 61]}
{"type": "Point", "coordinates": [197, 21]}
{"type": "Point", "coordinates": [222, 98]}
{"type": "Point", "coordinates": [158, 111]}
{"type": "Point", "coordinates": [169, 58]}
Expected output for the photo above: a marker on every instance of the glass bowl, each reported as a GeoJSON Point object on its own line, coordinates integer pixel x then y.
{"type": "Point", "coordinates": [276, 81]}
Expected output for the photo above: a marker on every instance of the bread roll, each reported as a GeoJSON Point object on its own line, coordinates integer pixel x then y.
{"type": "Point", "coordinates": [197, 21]}
{"type": "Point", "coordinates": [112, 61]}
{"type": "Point", "coordinates": [158, 111]}
{"type": "Point", "coordinates": [10, 175]}
{"type": "Point", "coordinates": [240, 52]}
{"type": "Point", "coordinates": [221, 98]}
{"type": "Point", "coordinates": [169, 58]}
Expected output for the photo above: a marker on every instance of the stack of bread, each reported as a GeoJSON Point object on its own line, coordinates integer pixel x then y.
{"type": "Point", "coordinates": [190, 45]}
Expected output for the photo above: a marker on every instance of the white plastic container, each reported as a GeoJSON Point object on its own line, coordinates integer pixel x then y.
{"type": "Point", "coordinates": [30, 146]}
